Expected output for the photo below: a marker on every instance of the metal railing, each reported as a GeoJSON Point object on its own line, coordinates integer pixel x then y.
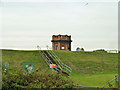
{"type": "Point", "coordinates": [66, 67]}
{"type": "Point", "coordinates": [59, 62]}
{"type": "Point", "coordinates": [115, 81]}
{"type": "Point", "coordinates": [44, 56]}
{"type": "Point", "coordinates": [47, 59]}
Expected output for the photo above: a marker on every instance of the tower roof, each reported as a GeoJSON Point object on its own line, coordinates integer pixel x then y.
{"type": "Point", "coordinates": [62, 35]}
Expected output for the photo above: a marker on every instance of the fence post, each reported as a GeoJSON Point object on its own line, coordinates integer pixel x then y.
{"type": "Point", "coordinates": [115, 79]}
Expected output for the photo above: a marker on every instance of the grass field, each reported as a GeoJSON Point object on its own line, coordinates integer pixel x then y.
{"type": "Point", "coordinates": [91, 68]}
{"type": "Point", "coordinates": [88, 68]}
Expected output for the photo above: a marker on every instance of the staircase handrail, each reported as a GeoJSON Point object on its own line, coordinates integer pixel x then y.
{"type": "Point", "coordinates": [60, 62]}
{"type": "Point", "coordinates": [46, 57]}
{"type": "Point", "coordinates": [39, 49]}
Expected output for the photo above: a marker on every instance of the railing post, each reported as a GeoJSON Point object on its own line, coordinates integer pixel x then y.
{"type": "Point", "coordinates": [115, 79]}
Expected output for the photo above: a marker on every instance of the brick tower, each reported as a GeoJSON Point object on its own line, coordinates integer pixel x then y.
{"type": "Point", "coordinates": [61, 42]}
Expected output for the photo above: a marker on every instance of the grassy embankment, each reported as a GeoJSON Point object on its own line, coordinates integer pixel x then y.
{"type": "Point", "coordinates": [88, 68]}
{"type": "Point", "coordinates": [91, 68]}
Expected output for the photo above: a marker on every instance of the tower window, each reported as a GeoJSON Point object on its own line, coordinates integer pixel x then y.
{"type": "Point", "coordinates": [62, 47]}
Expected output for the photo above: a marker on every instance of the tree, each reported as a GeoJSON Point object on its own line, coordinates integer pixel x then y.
{"type": "Point", "coordinates": [82, 49]}
{"type": "Point", "coordinates": [77, 49]}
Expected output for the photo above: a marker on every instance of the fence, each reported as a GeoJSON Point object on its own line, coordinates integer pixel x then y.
{"type": "Point", "coordinates": [114, 83]}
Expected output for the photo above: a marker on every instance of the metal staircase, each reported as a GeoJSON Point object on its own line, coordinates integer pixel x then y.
{"type": "Point", "coordinates": [51, 58]}
{"type": "Point", "coordinates": [62, 65]}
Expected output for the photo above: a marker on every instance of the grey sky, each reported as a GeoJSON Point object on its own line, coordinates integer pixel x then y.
{"type": "Point", "coordinates": [59, 0]}
{"type": "Point", "coordinates": [92, 26]}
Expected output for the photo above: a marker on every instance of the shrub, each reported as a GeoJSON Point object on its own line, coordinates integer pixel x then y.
{"type": "Point", "coordinates": [35, 80]}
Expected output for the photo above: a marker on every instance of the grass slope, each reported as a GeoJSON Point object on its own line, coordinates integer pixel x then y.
{"type": "Point", "coordinates": [88, 68]}
{"type": "Point", "coordinates": [17, 58]}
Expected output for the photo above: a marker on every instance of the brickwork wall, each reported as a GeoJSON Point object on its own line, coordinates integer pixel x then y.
{"type": "Point", "coordinates": [59, 45]}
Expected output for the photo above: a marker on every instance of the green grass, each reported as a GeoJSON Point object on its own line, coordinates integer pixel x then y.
{"type": "Point", "coordinates": [95, 80]}
{"type": "Point", "coordinates": [88, 68]}
{"type": "Point", "coordinates": [17, 58]}
{"type": "Point", "coordinates": [90, 62]}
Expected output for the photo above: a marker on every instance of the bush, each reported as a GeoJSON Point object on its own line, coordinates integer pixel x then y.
{"type": "Point", "coordinates": [35, 80]}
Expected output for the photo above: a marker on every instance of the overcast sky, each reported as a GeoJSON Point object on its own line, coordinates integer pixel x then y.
{"type": "Point", "coordinates": [92, 25]}
{"type": "Point", "coordinates": [59, 0]}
